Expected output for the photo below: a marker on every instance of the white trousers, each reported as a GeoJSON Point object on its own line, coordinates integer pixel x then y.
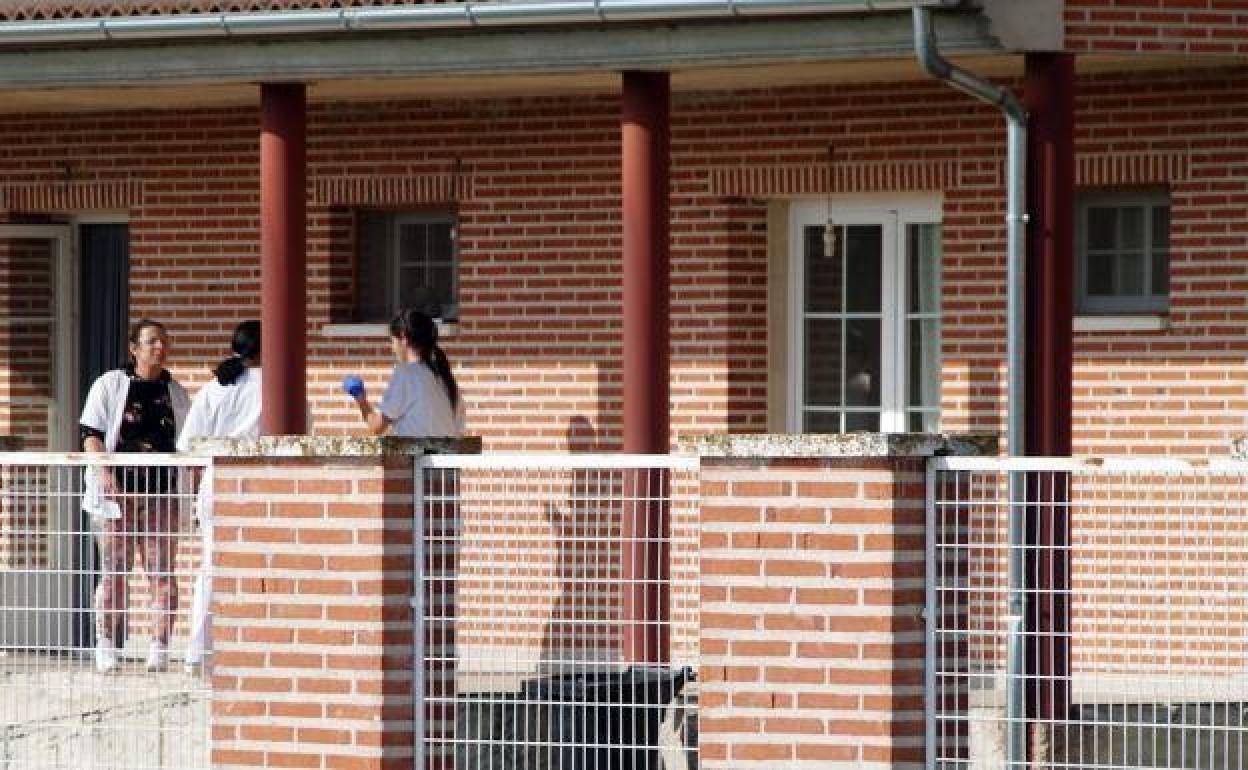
{"type": "Point", "coordinates": [199, 641]}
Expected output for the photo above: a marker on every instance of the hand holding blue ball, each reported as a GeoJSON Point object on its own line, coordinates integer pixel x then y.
{"type": "Point", "coordinates": [354, 386]}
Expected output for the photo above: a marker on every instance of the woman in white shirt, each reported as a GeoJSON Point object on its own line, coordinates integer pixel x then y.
{"type": "Point", "coordinates": [227, 407]}
{"type": "Point", "coordinates": [422, 398]}
{"type": "Point", "coordinates": [138, 408]}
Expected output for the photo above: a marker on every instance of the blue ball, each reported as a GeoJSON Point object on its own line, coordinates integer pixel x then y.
{"type": "Point", "coordinates": [353, 385]}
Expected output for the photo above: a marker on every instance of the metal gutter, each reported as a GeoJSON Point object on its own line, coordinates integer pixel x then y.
{"type": "Point", "coordinates": [465, 15]}
{"type": "Point", "coordinates": [1016, 220]}
{"type": "Point", "coordinates": [1016, 223]}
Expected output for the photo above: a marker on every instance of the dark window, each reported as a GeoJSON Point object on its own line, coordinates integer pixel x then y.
{"type": "Point", "coordinates": [406, 260]}
{"type": "Point", "coordinates": [1123, 255]}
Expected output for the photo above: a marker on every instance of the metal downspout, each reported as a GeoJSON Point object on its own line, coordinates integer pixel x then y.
{"type": "Point", "coordinates": [466, 15]}
{"type": "Point", "coordinates": [1016, 222]}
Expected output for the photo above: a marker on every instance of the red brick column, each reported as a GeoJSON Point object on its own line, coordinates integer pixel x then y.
{"type": "Point", "coordinates": [313, 644]}
{"type": "Point", "coordinates": [812, 599]}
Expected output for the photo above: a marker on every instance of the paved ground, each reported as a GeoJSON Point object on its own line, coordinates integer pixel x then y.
{"type": "Point", "coordinates": [57, 713]}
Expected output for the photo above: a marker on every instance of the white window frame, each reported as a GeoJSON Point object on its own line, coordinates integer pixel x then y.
{"type": "Point", "coordinates": [394, 222]}
{"type": "Point", "coordinates": [395, 260]}
{"type": "Point", "coordinates": [1118, 305]}
{"type": "Point", "coordinates": [893, 214]}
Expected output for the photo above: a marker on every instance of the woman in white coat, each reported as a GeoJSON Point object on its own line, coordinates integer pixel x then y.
{"type": "Point", "coordinates": [227, 407]}
{"type": "Point", "coordinates": [138, 408]}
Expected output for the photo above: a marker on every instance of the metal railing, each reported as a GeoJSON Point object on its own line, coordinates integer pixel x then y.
{"type": "Point", "coordinates": [557, 610]}
{"type": "Point", "coordinates": [99, 561]}
{"type": "Point", "coordinates": [1087, 615]}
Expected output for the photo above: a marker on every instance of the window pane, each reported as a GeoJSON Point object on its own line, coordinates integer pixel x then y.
{"type": "Point", "coordinates": [823, 363]}
{"type": "Point", "coordinates": [1161, 273]}
{"type": "Point", "coordinates": [414, 289]}
{"type": "Point", "coordinates": [863, 244]}
{"type": "Point", "coordinates": [1161, 251]}
{"type": "Point", "coordinates": [868, 421]}
{"type": "Point", "coordinates": [1124, 252]}
{"type": "Point", "coordinates": [1131, 220]}
{"type": "Point", "coordinates": [822, 422]}
{"type": "Point", "coordinates": [1131, 274]}
{"type": "Point", "coordinates": [923, 260]}
{"type": "Point", "coordinates": [441, 246]}
{"type": "Point", "coordinates": [413, 245]}
{"type": "Point", "coordinates": [924, 363]}
{"type": "Point", "coordinates": [1161, 228]}
{"type": "Point", "coordinates": [374, 271]}
{"type": "Point", "coordinates": [824, 277]}
{"type": "Point", "coordinates": [1102, 227]}
{"type": "Point", "coordinates": [862, 362]}
{"type": "Point", "coordinates": [923, 422]}
{"type": "Point", "coordinates": [1100, 275]}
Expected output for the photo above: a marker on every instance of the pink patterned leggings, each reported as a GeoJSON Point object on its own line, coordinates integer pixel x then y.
{"type": "Point", "coordinates": [148, 528]}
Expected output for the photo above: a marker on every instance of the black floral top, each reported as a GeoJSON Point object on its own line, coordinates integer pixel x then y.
{"type": "Point", "coordinates": [147, 425]}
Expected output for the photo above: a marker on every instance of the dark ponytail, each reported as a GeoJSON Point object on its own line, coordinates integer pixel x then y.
{"type": "Point", "coordinates": [246, 345]}
{"type": "Point", "coordinates": [421, 333]}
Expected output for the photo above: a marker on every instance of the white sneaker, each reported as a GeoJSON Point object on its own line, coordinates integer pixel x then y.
{"type": "Point", "coordinates": [157, 657]}
{"type": "Point", "coordinates": [105, 655]}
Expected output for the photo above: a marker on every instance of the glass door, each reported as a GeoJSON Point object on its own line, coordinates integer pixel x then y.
{"type": "Point", "coordinates": [865, 317]}
{"type": "Point", "coordinates": [41, 541]}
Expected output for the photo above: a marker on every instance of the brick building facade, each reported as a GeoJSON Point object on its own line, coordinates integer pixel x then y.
{"type": "Point", "coordinates": [534, 183]}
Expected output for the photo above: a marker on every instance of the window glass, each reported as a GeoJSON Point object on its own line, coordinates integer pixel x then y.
{"type": "Point", "coordinates": [405, 261]}
{"type": "Point", "coordinates": [1123, 253]}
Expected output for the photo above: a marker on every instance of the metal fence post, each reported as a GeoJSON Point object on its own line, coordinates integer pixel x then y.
{"type": "Point", "coordinates": [417, 603]}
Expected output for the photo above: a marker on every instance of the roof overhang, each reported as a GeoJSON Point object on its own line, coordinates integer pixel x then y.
{"type": "Point", "coordinates": [569, 50]}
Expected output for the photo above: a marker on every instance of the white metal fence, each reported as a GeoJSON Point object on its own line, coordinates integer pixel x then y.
{"type": "Point", "coordinates": [558, 612]}
{"type": "Point", "coordinates": [94, 549]}
{"type": "Point", "coordinates": [1087, 615]}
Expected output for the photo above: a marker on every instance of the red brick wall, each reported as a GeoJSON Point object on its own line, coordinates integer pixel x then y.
{"type": "Point", "coordinates": [538, 202]}
{"type": "Point", "coordinates": [1183, 390]}
{"type": "Point", "coordinates": [312, 629]}
{"type": "Point", "coordinates": [1199, 27]}
{"type": "Point", "coordinates": [812, 597]}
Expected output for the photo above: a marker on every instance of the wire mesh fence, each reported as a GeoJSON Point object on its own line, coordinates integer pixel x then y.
{"type": "Point", "coordinates": [99, 563]}
{"type": "Point", "coordinates": [1087, 615]}
{"type": "Point", "coordinates": [559, 613]}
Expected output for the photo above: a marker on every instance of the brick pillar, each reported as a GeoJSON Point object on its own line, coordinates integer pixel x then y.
{"type": "Point", "coordinates": [812, 632]}
{"type": "Point", "coordinates": [313, 644]}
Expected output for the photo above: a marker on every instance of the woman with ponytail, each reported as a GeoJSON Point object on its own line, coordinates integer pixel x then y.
{"type": "Point", "coordinates": [227, 407]}
{"type": "Point", "coordinates": [423, 398]}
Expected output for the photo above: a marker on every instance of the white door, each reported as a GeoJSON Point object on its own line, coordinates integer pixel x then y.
{"type": "Point", "coordinates": [42, 547]}
{"type": "Point", "coordinates": [864, 325]}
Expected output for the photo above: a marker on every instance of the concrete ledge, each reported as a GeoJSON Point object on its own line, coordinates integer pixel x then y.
{"type": "Point", "coordinates": [842, 445]}
{"type": "Point", "coordinates": [334, 446]}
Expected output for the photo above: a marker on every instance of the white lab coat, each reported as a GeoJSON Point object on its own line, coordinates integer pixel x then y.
{"type": "Point", "coordinates": [223, 411]}
{"type": "Point", "coordinates": [103, 411]}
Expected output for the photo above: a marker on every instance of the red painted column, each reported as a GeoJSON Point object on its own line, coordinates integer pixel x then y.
{"type": "Point", "coordinates": [1049, 96]}
{"type": "Point", "coordinates": [645, 185]}
{"type": "Point", "coordinates": [282, 257]}
{"type": "Point", "coordinates": [645, 167]}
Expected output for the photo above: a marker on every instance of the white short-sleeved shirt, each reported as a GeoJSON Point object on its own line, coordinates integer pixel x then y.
{"type": "Point", "coordinates": [417, 404]}
{"type": "Point", "coordinates": [224, 411]}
